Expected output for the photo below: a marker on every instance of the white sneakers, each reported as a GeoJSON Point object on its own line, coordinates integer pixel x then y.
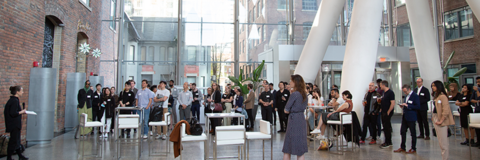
{"type": "Point", "coordinates": [104, 135]}
{"type": "Point", "coordinates": [163, 137]}
{"type": "Point", "coordinates": [316, 131]}
{"type": "Point", "coordinates": [145, 136]}
{"type": "Point", "coordinates": [320, 136]}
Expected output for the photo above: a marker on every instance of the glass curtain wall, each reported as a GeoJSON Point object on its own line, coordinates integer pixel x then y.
{"type": "Point", "coordinates": [198, 47]}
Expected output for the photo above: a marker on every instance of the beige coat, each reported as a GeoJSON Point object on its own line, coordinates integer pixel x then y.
{"type": "Point", "coordinates": [250, 101]}
{"type": "Point", "coordinates": [443, 110]}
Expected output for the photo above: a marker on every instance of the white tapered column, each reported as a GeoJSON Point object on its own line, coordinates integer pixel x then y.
{"type": "Point", "coordinates": [426, 49]}
{"type": "Point", "coordinates": [361, 50]}
{"type": "Point", "coordinates": [475, 6]}
{"type": "Point", "coordinates": [318, 39]}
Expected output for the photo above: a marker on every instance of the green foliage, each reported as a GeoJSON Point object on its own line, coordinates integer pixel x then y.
{"type": "Point", "coordinates": [240, 82]}
{"type": "Point", "coordinates": [455, 77]}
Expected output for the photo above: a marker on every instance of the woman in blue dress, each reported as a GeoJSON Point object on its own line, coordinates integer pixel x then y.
{"type": "Point", "coordinates": [296, 137]}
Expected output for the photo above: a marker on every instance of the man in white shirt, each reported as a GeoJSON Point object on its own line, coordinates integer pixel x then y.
{"type": "Point", "coordinates": [162, 95]}
{"type": "Point", "coordinates": [185, 99]}
{"type": "Point", "coordinates": [336, 99]}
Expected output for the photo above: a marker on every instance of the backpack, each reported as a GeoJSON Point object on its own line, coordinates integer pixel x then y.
{"type": "Point", "coordinates": [156, 114]}
{"type": "Point", "coordinates": [195, 128]}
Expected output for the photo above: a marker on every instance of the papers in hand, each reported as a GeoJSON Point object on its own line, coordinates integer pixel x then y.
{"type": "Point", "coordinates": [30, 112]}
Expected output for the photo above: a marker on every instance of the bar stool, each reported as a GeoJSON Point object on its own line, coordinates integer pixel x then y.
{"type": "Point", "coordinates": [345, 118]}
{"type": "Point", "coordinates": [264, 134]}
{"type": "Point", "coordinates": [229, 135]}
{"type": "Point", "coordinates": [456, 127]}
{"type": "Point", "coordinates": [92, 124]}
{"type": "Point", "coordinates": [190, 138]}
{"type": "Point", "coordinates": [160, 124]}
{"type": "Point", "coordinates": [129, 121]}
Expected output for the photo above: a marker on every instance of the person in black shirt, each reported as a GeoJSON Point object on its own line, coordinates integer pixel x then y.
{"type": "Point", "coordinates": [84, 99]}
{"type": "Point", "coordinates": [454, 95]}
{"type": "Point", "coordinates": [371, 113]}
{"type": "Point", "coordinates": [281, 99]}
{"type": "Point", "coordinates": [387, 104]}
{"type": "Point", "coordinates": [126, 99]}
{"type": "Point", "coordinates": [274, 113]}
{"type": "Point", "coordinates": [216, 98]}
{"type": "Point", "coordinates": [227, 99]}
{"type": "Point", "coordinates": [464, 103]}
{"type": "Point", "coordinates": [96, 102]}
{"type": "Point", "coordinates": [197, 97]}
{"type": "Point", "coordinates": [13, 122]}
{"type": "Point", "coordinates": [266, 100]}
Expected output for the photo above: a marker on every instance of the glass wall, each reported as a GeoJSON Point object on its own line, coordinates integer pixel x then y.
{"type": "Point", "coordinates": [194, 40]}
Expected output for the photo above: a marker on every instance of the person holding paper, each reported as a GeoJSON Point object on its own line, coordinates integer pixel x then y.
{"type": "Point", "coordinates": [13, 122]}
{"type": "Point", "coordinates": [410, 107]}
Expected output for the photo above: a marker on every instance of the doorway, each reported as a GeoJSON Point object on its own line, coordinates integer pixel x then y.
{"type": "Point", "coordinates": [81, 57]}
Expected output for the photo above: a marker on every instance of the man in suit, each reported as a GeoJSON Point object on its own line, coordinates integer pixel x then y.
{"type": "Point", "coordinates": [422, 119]}
{"type": "Point", "coordinates": [274, 105]}
{"type": "Point", "coordinates": [410, 106]}
{"type": "Point", "coordinates": [249, 103]}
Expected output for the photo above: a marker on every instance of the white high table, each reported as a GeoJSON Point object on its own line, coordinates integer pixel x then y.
{"type": "Point", "coordinates": [220, 115]}
{"type": "Point", "coordinates": [117, 131]}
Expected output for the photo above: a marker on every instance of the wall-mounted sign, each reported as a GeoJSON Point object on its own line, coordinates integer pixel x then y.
{"type": "Point", "coordinates": [191, 69]}
{"type": "Point", "coordinates": [81, 26]}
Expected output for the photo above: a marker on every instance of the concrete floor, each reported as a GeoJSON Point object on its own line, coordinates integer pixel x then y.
{"type": "Point", "coordinates": [66, 147]}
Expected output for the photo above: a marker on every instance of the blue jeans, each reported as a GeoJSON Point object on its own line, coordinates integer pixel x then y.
{"type": "Point", "coordinates": [196, 111]}
{"type": "Point", "coordinates": [144, 118]}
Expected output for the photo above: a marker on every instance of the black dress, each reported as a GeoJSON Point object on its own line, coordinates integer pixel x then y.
{"type": "Point", "coordinates": [464, 111]}
{"type": "Point", "coordinates": [13, 123]}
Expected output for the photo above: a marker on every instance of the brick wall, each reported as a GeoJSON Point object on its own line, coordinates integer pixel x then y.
{"type": "Point", "coordinates": [466, 50]}
{"type": "Point", "coordinates": [21, 43]}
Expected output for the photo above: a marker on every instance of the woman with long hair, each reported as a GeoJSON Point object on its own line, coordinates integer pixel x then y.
{"type": "Point", "coordinates": [216, 99]}
{"type": "Point", "coordinates": [312, 114]}
{"type": "Point", "coordinates": [442, 116]}
{"type": "Point", "coordinates": [296, 136]}
{"type": "Point", "coordinates": [453, 94]}
{"type": "Point", "coordinates": [464, 108]}
{"type": "Point", "coordinates": [109, 110]}
{"type": "Point", "coordinates": [13, 122]}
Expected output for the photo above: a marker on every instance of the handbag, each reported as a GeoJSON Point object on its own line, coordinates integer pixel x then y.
{"type": "Point", "coordinates": [4, 145]}
{"type": "Point", "coordinates": [195, 128]}
{"type": "Point", "coordinates": [218, 107]}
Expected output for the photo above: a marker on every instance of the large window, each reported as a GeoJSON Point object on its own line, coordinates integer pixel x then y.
{"type": "Point", "coordinates": [404, 36]}
{"type": "Point", "coordinates": [458, 23]}
{"type": "Point", "coordinates": [306, 29]}
{"type": "Point", "coordinates": [309, 5]}
{"type": "Point", "coordinates": [282, 4]}
{"type": "Point", "coordinates": [143, 53]}
{"type": "Point", "coordinates": [399, 2]}
{"type": "Point", "coordinates": [282, 30]}
{"type": "Point", "coordinates": [113, 11]}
